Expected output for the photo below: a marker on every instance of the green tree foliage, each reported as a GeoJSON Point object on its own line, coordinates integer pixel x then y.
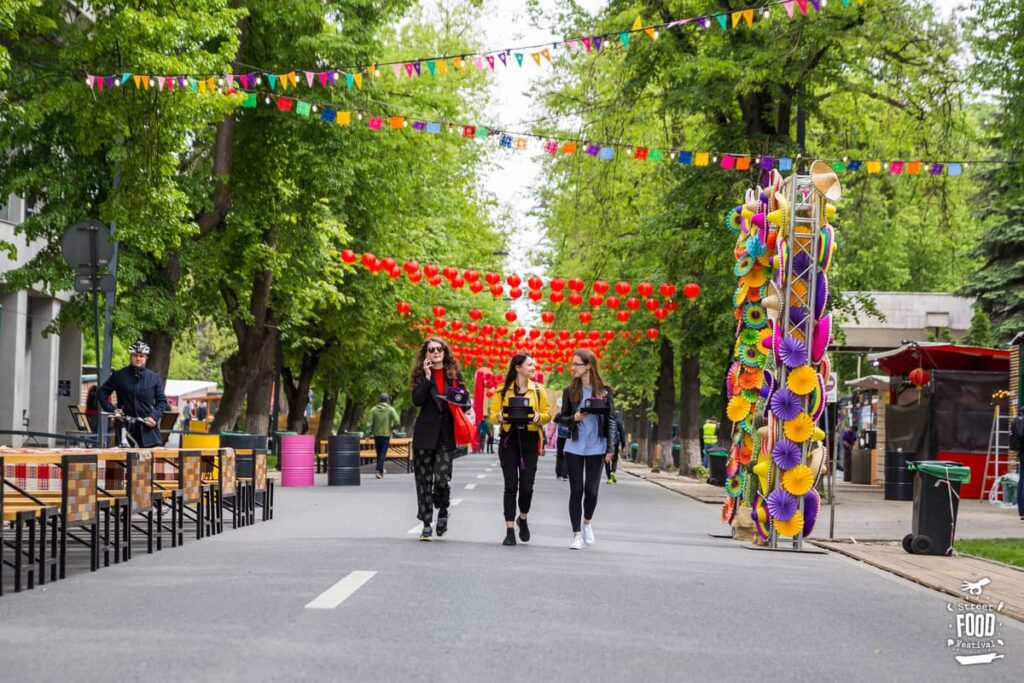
{"type": "Point", "coordinates": [999, 282]}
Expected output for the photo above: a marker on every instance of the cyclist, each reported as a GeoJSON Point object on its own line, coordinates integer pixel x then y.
{"type": "Point", "coordinates": [140, 394]}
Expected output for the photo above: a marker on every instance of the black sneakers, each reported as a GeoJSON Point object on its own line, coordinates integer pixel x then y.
{"type": "Point", "coordinates": [524, 530]}
{"type": "Point", "coordinates": [510, 537]}
{"type": "Point", "coordinates": [426, 533]}
{"type": "Point", "coordinates": [442, 526]}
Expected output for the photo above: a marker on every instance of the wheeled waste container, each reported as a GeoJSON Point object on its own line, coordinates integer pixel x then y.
{"type": "Point", "coordinates": [936, 501]}
{"type": "Point", "coordinates": [717, 460]}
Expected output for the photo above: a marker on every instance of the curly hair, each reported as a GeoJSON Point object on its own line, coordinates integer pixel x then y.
{"type": "Point", "coordinates": [416, 371]}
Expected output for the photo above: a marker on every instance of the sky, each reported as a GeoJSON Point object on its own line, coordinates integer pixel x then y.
{"type": "Point", "coordinates": [517, 173]}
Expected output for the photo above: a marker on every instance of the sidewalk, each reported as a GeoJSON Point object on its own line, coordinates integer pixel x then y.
{"type": "Point", "coordinates": [869, 528]}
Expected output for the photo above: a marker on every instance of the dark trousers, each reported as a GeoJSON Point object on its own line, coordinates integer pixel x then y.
{"type": "Point", "coordinates": [584, 481]}
{"type": "Point", "coordinates": [490, 443]}
{"type": "Point", "coordinates": [560, 458]}
{"type": "Point", "coordinates": [610, 467]}
{"type": "Point", "coordinates": [517, 453]}
{"type": "Point", "coordinates": [381, 443]}
{"type": "Point", "coordinates": [433, 472]}
{"type": "Point", "coordinates": [1020, 485]}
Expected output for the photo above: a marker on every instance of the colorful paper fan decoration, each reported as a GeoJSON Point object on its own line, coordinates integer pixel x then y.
{"type": "Point", "coordinates": [732, 466]}
{"type": "Point", "coordinates": [759, 514]}
{"type": "Point", "coordinates": [785, 404]}
{"type": "Point", "coordinates": [751, 381]}
{"type": "Point", "coordinates": [818, 434]}
{"type": "Point", "coordinates": [754, 316]}
{"type": "Point", "coordinates": [738, 408]}
{"type": "Point", "coordinates": [821, 339]}
{"type": "Point", "coordinates": [767, 384]}
{"type": "Point", "coordinates": [740, 295]}
{"type": "Point", "coordinates": [750, 337]}
{"type": "Point", "coordinates": [790, 527]}
{"type": "Point", "coordinates": [787, 454]}
{"type": "Point", "coordinates": [801, 264]}
{"type": "Point", "coordinates": [802, 380]}
{"type": "Point", "coordinates": [820, 294]}
{"type": "Point", "coordinates": [799, 429]}
{"type": "Point", "coordinates": [760, 470]}
{"type": "Point", "coordinates": [792, 352]}
{"type": "Point", "coordinates": [755, 278]}
{"type": "Point", "coordinates": [812, 505]}
{"type": "Point", "coordinates": [728, 510]}
{"type": "Point", "coordinates": [797, 315]}
{"type": "Point", "coordinates": [750, 395]}
{"type": "Point", "coordinates": [826, 247]}
{"type": "Point", "coordinates": [747, 425]}
{"type": "Point", "coordinates": [743, 454]}
{"type": "Point", "coordinates": [732, 221]}
{"type": "Point", "coordinates": [782, 505]}
{"type": "Point", "coordinates": [754, 294]}
{"type": "Point", "coordinates": [755, 247]}
{"type": "Point", "coordinates": [816, 403]}
{"type": "Point", "coordinates": [734, 486]}
{"type": "Point", "coordinates": [750, 356]}
{"type": "Point", "coordinates": [743, 266]}
{"type": "Point", "coordinates": [798, 480]}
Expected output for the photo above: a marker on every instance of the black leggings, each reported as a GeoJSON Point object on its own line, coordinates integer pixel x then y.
{"type": "Point", "coordinates": [582, 496]}
{"type": "Point", "coordinates": [610, 467]}
{"type": "Point", "coordinates": [517, 453]}
{"type": "Point", "coordinates": [560, 457]}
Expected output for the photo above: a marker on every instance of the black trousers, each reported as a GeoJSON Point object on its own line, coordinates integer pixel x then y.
{"type": "Point", "coordinates": [517, 453]}
{"type": "Point", "coordinates": [584, 481]}
{"type": "Point", "coordinates": [560, 458]}
{"type": "Point", "coordinates": [610, 467]}
{"type": "Point", "coordinates": [433, 472]}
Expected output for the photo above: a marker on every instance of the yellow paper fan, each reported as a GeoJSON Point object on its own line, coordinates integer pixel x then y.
{"type": "Point", "coordinates": [792, 526]}
{"type": "Point", "coordinates": [754, 278]}
{"type": "Point", "coordinates": [799, 429]}
{"type": "Point", "coordinates": [802, 380]}
{"type": "Point", "coordinates": [738, 408]}
{"type": "Point", "coordinates": [819, 434]}
{"type": "Point", "coordinates": [798, 480]}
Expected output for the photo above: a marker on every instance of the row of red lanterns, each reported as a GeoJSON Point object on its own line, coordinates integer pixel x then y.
{"type": "Point", "coordinates": [476, 281]}
{"type": "Point", "coordinates": [441, 327]}
{"type": "Point", "coordinates": [660, 310]}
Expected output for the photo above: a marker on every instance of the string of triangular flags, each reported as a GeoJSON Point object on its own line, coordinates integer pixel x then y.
{"type": "Point", "coordinates": [488, 60]}
{"type": "Point", "coordinates": [520, 141]}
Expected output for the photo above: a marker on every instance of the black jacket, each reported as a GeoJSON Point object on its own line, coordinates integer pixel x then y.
{"type": "Point", "coordinates": [139, 394]}
{"type": "Point", "coordinates": [608, 428]}
{"type": "Point", "coordinates": [434, 428]}
{"type": "Point", "coordinates": [1017, 434]}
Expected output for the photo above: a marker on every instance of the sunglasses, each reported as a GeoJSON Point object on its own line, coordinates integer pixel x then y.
{"type": "Point", "coordinates": [579, 365]}
{"type": "Point", "coordinates": [435, 349]}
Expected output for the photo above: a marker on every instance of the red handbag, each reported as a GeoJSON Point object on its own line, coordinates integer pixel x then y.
{"type": "Point", "coordinates": [464, 430]}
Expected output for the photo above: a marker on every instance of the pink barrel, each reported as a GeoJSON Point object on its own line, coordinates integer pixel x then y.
{"type": "Point", "coordinates": [297, 459]}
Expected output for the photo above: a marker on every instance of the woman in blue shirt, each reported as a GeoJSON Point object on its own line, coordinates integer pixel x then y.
{"type": "Point", "coordinates": [590, 443]}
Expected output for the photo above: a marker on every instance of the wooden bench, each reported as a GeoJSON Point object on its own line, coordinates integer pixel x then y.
{"type": "Point", "coordinates": [399, 450]}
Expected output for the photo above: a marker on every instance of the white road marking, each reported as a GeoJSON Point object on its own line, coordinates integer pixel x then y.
{"type": "Point", "coordinates": [339, 592]}
{"type": "Point", "coordinates": [470, 487]}
{"type": "Point", "coordinates": [456, 501]}
{"type": "Point", "coordinates": [480, 476]}
{"type": "Point", "coordinates": [489, 469]}
{"type": "Point", "coordinates": [415, 530]}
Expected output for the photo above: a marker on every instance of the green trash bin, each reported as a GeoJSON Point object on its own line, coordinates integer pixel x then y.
{"type": "Point", "coordinates": [277, 446]}
{"type": "Point", "coordinates": [676, 451]}
{"type": "Point", "coordinates": [717, 459]}
{"type": "Point", "coordinates": [634, 451]}
{"type": "Point", "coordinates": [936, 501]}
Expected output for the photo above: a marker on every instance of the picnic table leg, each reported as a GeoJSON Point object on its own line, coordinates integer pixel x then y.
{"type": "Point", "coordinates": [54, 535]}
{"type": "Point", "coordinates": [32, 552]}
{"type": "Point", "coordinates": [63, 544]}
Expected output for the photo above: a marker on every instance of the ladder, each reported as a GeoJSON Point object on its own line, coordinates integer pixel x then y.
{"type": "Point", "coordinates": [998, 454]}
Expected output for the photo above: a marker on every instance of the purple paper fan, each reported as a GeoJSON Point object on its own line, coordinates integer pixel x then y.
{"type": "Point", "coordinates": [801, 262]}
{"type": "Point", "coordinates": [792, 352]}
{"type": "Point", "coordinates": [785, 404]}
{"type": "Point", "coordinates": [812, 503]}
{"type": "Point", "coordinates": [782, 505]}
{"type": "Point", "coordinates": [768, 385]}
{"type": "Point", "coordinates": [820, 295]}
{"type": "Point", "coordinates": [797, 315]}
{"type": "Point", "coordinates": [786, 454]}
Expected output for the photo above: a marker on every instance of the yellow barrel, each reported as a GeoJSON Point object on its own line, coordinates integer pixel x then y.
{"type": "Point", "coordinates": [200, 442]}
{"type": "Point", "coordinates": [198, 426]}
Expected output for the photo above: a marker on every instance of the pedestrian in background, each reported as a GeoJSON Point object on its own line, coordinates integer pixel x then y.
{"type": "Point", "coordinates": [383, 420]}
{"type": "Point", "coordinates": [1017, 444]}
{"type": "Point", "coordinates": [484, 430]}
{"type": "Point", "coordinates": [591, 439]}
{"type": "Point", "coordinates": [490, 437]}
{"type": "Point", "coordinates": [518, 447]}
{"type": "Point", "coordinates": [560, 471]}
{"type": "Point", "coordinates": [849, 440]}
{"type": "Point", "coordinates": [710, 438]}
{"type": "Point", "coordinates": [433, 375]}
{"type": "Point", "coordinates": [140, 394]}
{"type": "Point", "coordinates": [610, 468]}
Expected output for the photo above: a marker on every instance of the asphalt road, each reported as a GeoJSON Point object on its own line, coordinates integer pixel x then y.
{"type": "Point", "coordinates": [656, 599]}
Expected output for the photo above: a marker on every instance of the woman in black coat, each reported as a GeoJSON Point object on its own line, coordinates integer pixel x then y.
{"type": "Point", "coordinates": [433, 375]}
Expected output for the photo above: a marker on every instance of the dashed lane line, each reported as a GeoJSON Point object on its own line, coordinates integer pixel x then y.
{"type": "Point", "coordinates": [341, 591]}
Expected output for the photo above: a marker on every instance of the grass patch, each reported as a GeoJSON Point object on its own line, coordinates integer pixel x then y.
{"type": "Point", "coordinates": [1006, 550]}
{"type": "Point", "coordinates": [271, 462]}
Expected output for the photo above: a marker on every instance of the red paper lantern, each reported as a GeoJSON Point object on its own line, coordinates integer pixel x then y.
{"type": "Point", "coordinates": [439, 323]}
{"type": "Point", "coordinates": [515, 292]}
{"type": "Point", "coordinates": [651, 304]}
{"type": "Point", "coordinates": [652, 333]}
{"type": "Point", "coordinates": [487, 329]}
{"type": "Point", "coordinates": [415, 277]}
{"type": "Point", "coordinates": [535, 282]}
{"type": "Point", "coordinates": [395, 272]}
{"type": "Point", "coordinates": [534, 333]}
{"type": "Point", "coordinates": [600, 286]}
{"type": "Point", "coordinates": [472, 327]}
{"type": "Point", "coordinates": [557, 297]}
{"type": "Point", "coordinates": [434, 281]}
{"type": "Point", "coordinates": [348, 256]}
{"type": "Point", "coordinates": [557, 284]}
{"type": "Point", "coordinates": [476, 313]}
{"type": "Point", "coordinates": [661, 313]}
{"type": "Point", "coordinates": [430, 270]}
{"type": "Point", "coordinates": [671, 305]}
{"type": "Point", "coordinates": [471, 275]}
{"type": "Point", "coordinates": [549, 334]}
{"type": "Point", "coordinates": [920, 377]}
{"type": "Point", "coordinates": [691, 290]}
{"type": "Point", "coordinates": [476, 286]}
{"type": "Point", "coordinates": [501, 330]}
{"type": "Point", "coordinates": [595, 300]}
{"type": "Point", "coordinates": [612, 302]}
{"type": "Point", "coordinates": [492, 278]}
{"type": "Point", "coordinates": [667, 290]}
{"type": "Point", "coordinates": [576, 284]}
{"type": "Point", "coordinates": [497, 290]}
{"type": "Point", "coordinates": [450, 272]}
{"type": "Point", "coordinates": [585, 317]}
{"type": "Point", "coordinates": [645, 289]}
{"type": "Point", "coordinates": [404, 308]}
{"type": "Point", "coordinates": [622, 288]}
{"type": "Point", "coordinates": [548, 317]}
{"type": "Point", "coordinates": [519, 332]}
{"type": "Point", "coordinates": [456, 282]}
{"type": "Point", "coordinates": [632, 303]}
{"type": "Point", "coordinates": [535, 295]}
{"type": "Point", "coordinates": [513, 280]}
{"type": "Point", "coordinates": [622, 316]}
{"type": "Point", "coordinates": [575, 298]}
{"type": "Point", "coordinates": [510, 316]}
{"type": "Point", "coordinates": [438, 311]}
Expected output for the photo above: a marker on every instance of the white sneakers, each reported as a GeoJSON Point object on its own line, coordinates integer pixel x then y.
{"type": "Point", "coordinates": [588, 534]}
{"type": "Point", "coordinates": [577, 542]}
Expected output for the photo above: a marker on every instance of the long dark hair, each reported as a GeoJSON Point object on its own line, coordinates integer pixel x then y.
{"type": "Point", "coordinates": [416, 372]}
{"type": "Point", "coordinates": [513, 369]}
{"type": "Point", "coordinates": [597, 384]}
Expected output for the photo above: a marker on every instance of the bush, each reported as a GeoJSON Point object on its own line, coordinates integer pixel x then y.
{"type": "Point", "coordinates": [700, 472]}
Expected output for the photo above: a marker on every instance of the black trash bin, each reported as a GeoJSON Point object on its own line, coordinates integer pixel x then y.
{"type": "Point", "coordinates": [717, 460]}
{"type": "Point", "coordinates": [899, 480]}
{"type": "Point", "coordinates": [343, 460]}
{"type": "Point", "coordinates": [676, 452]}
{"type": "Point", "coordinates": [241, 441]}
{"type": "Point", "coordinates": [936, 501]}
{"type": "Point", "coordinates": [847, 463]}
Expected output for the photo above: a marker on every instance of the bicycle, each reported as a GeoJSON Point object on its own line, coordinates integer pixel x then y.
{"type": "Point", "coordinates": [124, 436]}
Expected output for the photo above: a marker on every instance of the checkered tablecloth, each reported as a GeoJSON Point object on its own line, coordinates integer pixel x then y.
{"type": "Point", "coordinates": [48, 477]}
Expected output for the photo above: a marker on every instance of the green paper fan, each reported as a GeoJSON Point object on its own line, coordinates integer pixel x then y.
{"type": "Point", "coordinates": [750, 395]}
{"type": "Point", "coordinates": [734, 486]}
{"type": "Point", "coordinates": [743, 266]}
{"type": "Point", "coordinates": [750, 337]}
{"type": "Point", "coordinates": [754, 315]}
{"type": "Point", "coordinates": [732, 221]}
{"type": "Point", "coordinates": [750, 356]}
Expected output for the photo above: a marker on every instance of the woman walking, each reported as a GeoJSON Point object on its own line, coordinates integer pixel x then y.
{"type": "Point", "coordinates": [433, 377]}
{"type": "Point", "coordinates": [519, 445]}
{"type": "Point", "coordinates": [591, 441]}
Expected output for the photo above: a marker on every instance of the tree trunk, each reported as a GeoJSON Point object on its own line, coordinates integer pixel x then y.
{"type": "Point", "coordinates": [664, 400]}
{"type": "Point", "coordinates": [298, 392]}
{"type": "Point", "coordinates": [353, 412]}
{"type": "Point", "coordinates": [160, 344]}
{"type": "Point", "coordinates": [689, 412]}
{"type": "Point", "coordinates": [257, 401]}
{"type": "Point", "coordinates": [643, 432]}
{"type": "Point", "coordinates": [326, 428]}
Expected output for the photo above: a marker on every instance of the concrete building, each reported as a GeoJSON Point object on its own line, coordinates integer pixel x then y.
{"type": "Point", "coordinates": [40, 376]}
{"type": "Point", "coordinates": [912, 316]}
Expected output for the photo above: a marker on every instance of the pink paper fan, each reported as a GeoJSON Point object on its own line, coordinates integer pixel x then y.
{"type": "Point", "coordinates": [822, 336]}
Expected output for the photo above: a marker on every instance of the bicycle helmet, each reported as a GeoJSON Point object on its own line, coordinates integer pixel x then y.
{"type": "Point", "coordinates": [139, 347]}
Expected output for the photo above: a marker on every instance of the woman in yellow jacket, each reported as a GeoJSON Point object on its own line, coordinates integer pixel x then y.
{"type": "Point", "coordinates": [520, 440]}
